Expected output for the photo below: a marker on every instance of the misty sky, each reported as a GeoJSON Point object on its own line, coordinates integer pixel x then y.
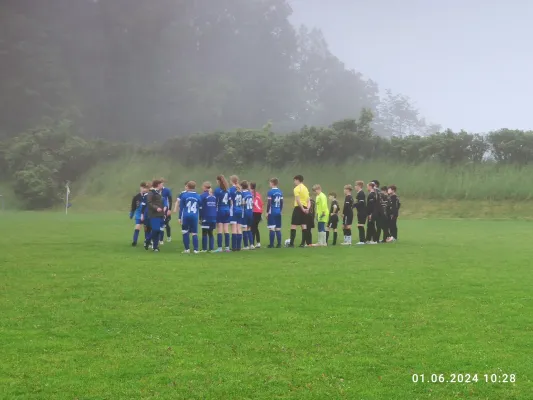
{"type": "Point", "coordinates": [465, 63]}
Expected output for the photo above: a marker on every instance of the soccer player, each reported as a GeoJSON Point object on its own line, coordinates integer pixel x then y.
{"type": "Point", "coordinates": [247, 220]}
{"type": "Point", "coordinates": [178, 203]}
{"type": "Point", "coordinates": [371, 212]}
{"type": "Point", "coordinates": [258, 215]}
{"type": "Point", "coordinates": [322, 214]}
{"type": "Point", "coordinates": [208, 216]}
{"type": "Point", "coordinates": [146, 220]}
{"type": "Point", "coordinates": [360, 206]}
{"type": "Point", "coordinates": [333, 218]}
{"type": "Point", "coordinates": [166, 193]}
{"type": "Point", "coordinates": [393, 213]}
{"type": "Point", "coordinates": [223, 213]}
{"type": "Point", "coordinates": [299, 214]}
{"type": "Point", "coordinates": [310, 221]}
{"type": "Point", "coordinates": [347, 215]}
{"type": "Point", "coordinates": [274, 212]}
{"type": "Point", "coordinates": [235, 193]}
{"type": "Point", "coordinates": [154, 202]}
{"type": "Point", "coordinates": [383, 219]}
{"type": "Point", "coordinates": [191, 207]}
{"type": "Point", "coordinates": [136, 211]}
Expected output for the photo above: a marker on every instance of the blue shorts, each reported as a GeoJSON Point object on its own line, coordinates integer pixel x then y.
{"type": "Point", "coordinates": [210, 224]}
{"type": "Point", "coordinates": [274, 221]}
{"type": "Point", "coordinates": [247, 220]}
{"type": "Point", "coordinates": [138, 221]}
{"type": "Point", "coordinates": [157, 223]}
{"type": "Point", "coordinates": [189, 224]}
{"type": "Point", "coordinates": [236, 217]}
{"type": "Point", "coordinates": [322, 227]}
{"type": "Point", "coordinates": [223, 216]}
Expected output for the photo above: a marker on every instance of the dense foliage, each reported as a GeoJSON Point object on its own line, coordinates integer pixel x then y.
{"type": "Point", "coordinates": [144, 70]}
{"type": "Point", "coordinates": [40, 161]}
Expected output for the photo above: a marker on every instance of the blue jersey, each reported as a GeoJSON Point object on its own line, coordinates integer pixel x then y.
{"type": "Point", "coordinates": [191, 204]}
{"type": "Point", "coordinates": [275, 202]}
{"type": "Point", "coordinates": [166, 194]}
{"type": "Point", "coordinates": [247, 203]}
{"type": "Point", "coordinates": [222, 197]}
{"type": "Point", "coordinates": [208, 207]}
{"type": "Point", "coordinates": [180, 197]}
{"type": "Point", "coordinates": [236, 200]}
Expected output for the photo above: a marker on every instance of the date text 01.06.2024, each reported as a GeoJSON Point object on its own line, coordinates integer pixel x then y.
{"type": "Point", "coordinates": [463, 378]}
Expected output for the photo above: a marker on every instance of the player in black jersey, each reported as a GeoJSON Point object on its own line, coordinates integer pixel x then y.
{"type": "Point", "coordinates": [333, 218]}
{"type": "Point", "coordinates": [383, 222]}
{"type": "Point", "coordinates": [360, 206]}
{"type": "Point", "coordinates": [347, 213]}
{"type": "Point", "coordinates": [393, 210]}
{"type": "Point", "coordinates": [310, 221]}
{"type": "Point", "coordinates": [372, 213]}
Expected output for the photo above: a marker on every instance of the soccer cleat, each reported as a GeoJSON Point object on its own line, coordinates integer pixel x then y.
{"type": "Point", "coordinates": [360, 243]}
{"type": "Point", "coordinates": [278, 246]}
{"type": "Point", "coordinates": [134, 244]}
{"type": "Point", "coordinates": [203, 251]}
{"type": "Point", "coordinates": [169, 239]}
{"type": "Point", "coordinates": [155, 250]}
{"type": "Point", "coordinates": [227, 250]}
{"type": "Point", "coordinates": [161, 243]}
{"type": "Point", "coordinates": [252, 247]}
{"type": "Point", "coordinates": [290, 246]}
{"type": "Point", "coordinates": [219, 250]}
{"type": "Point", "coordinates": [270, 246]}
{"type": "Point", "coordinates": [246, 248]}
{"type": "Point", "coordinates": [196, 252]}
{"type": "Point", "coordinates": [186, 252]}
{"type": "Point", "coordinates": [146, 246]}
{"type": "Point", "coordinates": [258, 246]}
{"type": "Point", "coordinates": [372, 242]}
{"type": "Point", "coordinates": [345, 244]}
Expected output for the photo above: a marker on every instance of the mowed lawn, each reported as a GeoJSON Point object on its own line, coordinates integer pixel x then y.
{"type": "Point", "coordinates": [85, 316]}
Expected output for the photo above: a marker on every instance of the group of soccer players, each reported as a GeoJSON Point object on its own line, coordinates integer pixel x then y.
{"type": "Point", "coordinates": [235, 210]}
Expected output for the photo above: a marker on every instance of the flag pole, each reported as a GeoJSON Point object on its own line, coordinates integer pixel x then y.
{"type": "Point", "coordinates": [66, 200]}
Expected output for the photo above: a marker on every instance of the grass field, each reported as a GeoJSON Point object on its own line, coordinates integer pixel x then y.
{"type": "Point", "coordinates": [85, 316]}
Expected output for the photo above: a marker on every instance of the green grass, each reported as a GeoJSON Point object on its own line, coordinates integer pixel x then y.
{"type": "Point", "coordinates": [85, 316]}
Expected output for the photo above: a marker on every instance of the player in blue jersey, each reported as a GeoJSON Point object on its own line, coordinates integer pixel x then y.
{"type": "Point", "coordinates": [274, 211]}
{"type": "Point", "coordinates": [166, 193]}
{"type": "Point", "coordinates": [155, 205]}
{"type": "Point", "coordinates": [208, 216]}
{"type": "Point", "coordinates": [236, 213]}
{"type": "Point", "coordinates": [247, 216]}
{"type": "Point", "coordinates": [191, 212]}
{"type": "Point", "coordinates": [223, 213]}
{"type": "Point", "coordinates": [137, 209]}
{"type": "Point", "coordinates": [146, 220]}
{"type": "Point", "coordinates": [178, 204]}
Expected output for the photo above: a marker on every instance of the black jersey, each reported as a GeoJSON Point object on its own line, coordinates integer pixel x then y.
{"type": "Point", "coordinates": [348, 205]}
{"type": "Point", "coordinates": [383, 203]}
{"type": "Point", "coordinates": [360, 203]}
{"type": "Point", "coordinates": [393, 205]}
{"type": "Point", "coordinates": [334, 209]}
{"type": "Point", "coordinates": [371, 204]}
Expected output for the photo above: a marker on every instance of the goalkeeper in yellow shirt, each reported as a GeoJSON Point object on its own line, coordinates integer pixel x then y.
{"type": "Point", "coordinates": [322, 214]}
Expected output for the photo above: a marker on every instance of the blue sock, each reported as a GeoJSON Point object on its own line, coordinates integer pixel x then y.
{"type": "Point", "coordinates": [233, 241]}
{"type": "Point", "coordinates": [219, 240]}
{"type": "Point", "coordinates": [226, 239]}
{"type": "Point", "coordinates": [245, 237]}
{"type": "Point", "coordinates": [250, 237]}
{"type": "Point", "coordinates": [239, 241]}
{"type": "Point", "coordinates": [148, 237]}
{"type": "Point", "coordinates": [155, 242]}
{"type": "Point", "coordinates": [135, 236]}
{"type": "Point", "coordinates": [204, 242]}
{"type": "Point", "coordinates": [278, 235]}
{"type": "Point", "coordinates": [186, 241]}
{"type": "Point", "coordinates": [195, 242]}
{"type": "Point", "coordinates": [272, 235]}
{"type": "Point", "coordinates": [212, 242]}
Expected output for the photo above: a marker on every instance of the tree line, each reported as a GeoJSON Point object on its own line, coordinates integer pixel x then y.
{"type": "Point", "coordinates": [42, 160]}
{"type": "Point", "coordinates": [140, 70]}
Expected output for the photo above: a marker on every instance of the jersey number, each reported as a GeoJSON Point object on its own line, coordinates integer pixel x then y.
{"type": "Point", "coordinates": [277, 202]}
{"type": "Point", "coordinates": [249, 203]}
{"type": "Point", "coordinates": [191, 207]}
{"type": "Point", "coordinates": [238, 200]}
{"type": "Point", "coordinates": [225, 199]}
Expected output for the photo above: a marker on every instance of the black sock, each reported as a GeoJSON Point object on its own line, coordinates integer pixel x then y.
{"type": "Point", "coordinates": [361, 233]}
{"type": "Point", "coordinates": [327, 237]}
{"type": "Point", "coordinates": [304, 237]}
{"type": "Point", "coordinates": [293, 236]}
{"type": "Point", "coordinates": [348, 232]}
{"type": "Point", "coordinates": [309, 237]}
{"type": "Point", "coordinates": [335, 234]}
{"type": "Point", "coordinates": [168, 230]}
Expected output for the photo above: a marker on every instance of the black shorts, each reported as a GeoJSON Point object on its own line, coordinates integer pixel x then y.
{"type": "Point", "coordinates": [333, 221]}
{"type": "Point", "coordinates": [347, 220]}
{"type": "Point", "coordinates": [298, 217]}
{"type": "Point", "coordinates": [361, 219]}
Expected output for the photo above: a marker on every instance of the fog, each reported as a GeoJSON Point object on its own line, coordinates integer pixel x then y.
{"type": "Point", "coordinates": [143, 71]}
{"type": "Point", "coordinates": [466, 64]}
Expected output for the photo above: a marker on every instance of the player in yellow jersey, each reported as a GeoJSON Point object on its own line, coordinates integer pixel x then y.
{"type": "Point", "coordinates": [322, 214]}
{"type": "Point", "coordinates": [299, 214]}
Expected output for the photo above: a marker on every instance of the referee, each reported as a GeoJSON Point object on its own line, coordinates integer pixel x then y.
{"type": "Point", "coordinates": [299, 214]}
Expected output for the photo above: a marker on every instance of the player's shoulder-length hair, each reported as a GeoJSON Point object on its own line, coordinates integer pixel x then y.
{"type": "Point", "coordinates": [222, 182]}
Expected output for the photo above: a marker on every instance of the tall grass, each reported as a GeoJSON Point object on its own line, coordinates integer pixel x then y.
{"type": "Point", "coordinates": [117, 181]}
